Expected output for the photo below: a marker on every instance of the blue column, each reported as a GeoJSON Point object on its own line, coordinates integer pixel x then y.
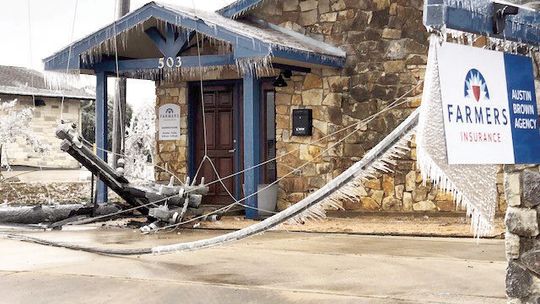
{"type": "Point", "coordinates": [251, 141]}
{"type": "Point", "coordinates": [101, 129]}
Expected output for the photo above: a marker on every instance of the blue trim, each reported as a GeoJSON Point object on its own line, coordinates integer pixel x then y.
{"type": "Point", "coordinates": [101, 129]}
{"type": "Point", "coordinates": [238, 7]}
{"type": "Point", "coordinates": [251, 115]}
{"type": "Point", "coordinates": [191, 121]}
{"type": "Point", "coordinates": [59, 60]}
{"type": "Point", "coordinates": [170, 45]}
{"type": "Point", "coordinates": [244, 46]}
{"type": "Point", "coordinates": [237, 131]}
{"type": "Point", "coordinates": [155, 35]}
{"type": "Point", "coordinates": [439, 14]}
{"type": "Point", "coordinates": [152, 63]}
{"type": "Point", "coordinates": [311, 58]}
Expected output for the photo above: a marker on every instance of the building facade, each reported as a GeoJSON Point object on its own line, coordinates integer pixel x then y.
{"type": "Point", "coordinates": [386, 46]}
{"type": "Point", "coordinates": [235, 78]}
{"type": "Point", "coordinates": [30, 90]}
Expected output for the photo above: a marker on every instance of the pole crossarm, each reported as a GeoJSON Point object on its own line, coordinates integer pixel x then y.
{"type": "Point", "coordinates": [484, 17]}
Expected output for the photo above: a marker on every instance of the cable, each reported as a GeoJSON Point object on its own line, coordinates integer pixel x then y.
{"type": "Point", "coordinates": [237, 202]}
{"type": "Point", "coordinates": [389, 107]}
{"type": "Point", "coordinates": [69, 56]}
{"type": "Point", "coordinates": [90, 144]}
{"type": "Point", "coordinates": [246, 232]}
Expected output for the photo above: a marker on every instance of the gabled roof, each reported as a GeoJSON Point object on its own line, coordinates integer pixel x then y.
{"type": "Point", "coordinates": [250, 38]}
{"type": "Point", "coordinates": [28, 82]}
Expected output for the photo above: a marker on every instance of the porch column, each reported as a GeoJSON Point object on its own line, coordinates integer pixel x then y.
{"type": "Point", "coordinates": [101, 129]}
{"type": "Point", "coordinates": [251, 141]}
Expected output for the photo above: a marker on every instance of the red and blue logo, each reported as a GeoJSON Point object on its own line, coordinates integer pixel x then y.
{"type": "Point", "coordinates": [476, 87]}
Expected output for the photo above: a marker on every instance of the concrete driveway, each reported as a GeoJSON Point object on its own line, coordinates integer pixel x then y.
{"type": "Point", "coordinates": [277, 267]}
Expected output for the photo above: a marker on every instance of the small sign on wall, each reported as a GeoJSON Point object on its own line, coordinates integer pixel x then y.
{"type": "Point", "coordinates": [169, 122]}
{"type": "Point", "coordinates": [489, 106]}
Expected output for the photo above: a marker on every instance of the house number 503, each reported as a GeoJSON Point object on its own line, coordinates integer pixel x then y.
{"type": "Point", "coordinates": [170, 62]}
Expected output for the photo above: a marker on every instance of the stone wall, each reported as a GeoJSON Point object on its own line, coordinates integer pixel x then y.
{"type": "Point", "coordinates": [522, 239]}
{"type": "Point", "coordinates": [44, 123]}
{"type": "Point", "coordinates": [386, 47]}
{"type": "Point", "coordinates": [171, 155]}
{"type": "Point", "coordinates": [25, 193]}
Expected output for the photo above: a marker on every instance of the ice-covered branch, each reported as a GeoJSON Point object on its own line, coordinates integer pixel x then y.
{"type": "Point", "coordinates": [140, 144]}
{"type": "Point", "coordinates": [15, 124]}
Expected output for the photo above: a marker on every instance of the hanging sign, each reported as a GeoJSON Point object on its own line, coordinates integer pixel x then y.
{"type": "Point", "coordinates": [489, 106]}
{"type": "Point", "coordinates": [169, 122]}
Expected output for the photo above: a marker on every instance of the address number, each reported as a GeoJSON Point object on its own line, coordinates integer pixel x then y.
{"type": "Point", "coordinates": [170, 62]}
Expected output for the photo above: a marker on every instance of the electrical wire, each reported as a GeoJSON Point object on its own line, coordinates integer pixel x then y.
{"type": "Point", "coordinates": [396, 103]}
{"type": "Point", "coordinates": [205, 157]}
{"type": "Point", "coordinates": [185, 246]}
{"type": "Point", "coordinates": [69, 55]}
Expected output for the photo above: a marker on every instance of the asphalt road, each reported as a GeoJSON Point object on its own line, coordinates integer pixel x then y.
{"type": "Point", "coordinates": [277, 267]}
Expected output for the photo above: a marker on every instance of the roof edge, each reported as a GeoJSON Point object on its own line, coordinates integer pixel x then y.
{"type": "Point", "coordinates": [42, 93]}
{"type": "Point", "coordinates": [238, 8]}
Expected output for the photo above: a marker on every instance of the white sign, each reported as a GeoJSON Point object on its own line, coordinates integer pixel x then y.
{"type": "Point", "coordinates": [483, 94]}
{"type": "Point", "coordinates": [169, 122]}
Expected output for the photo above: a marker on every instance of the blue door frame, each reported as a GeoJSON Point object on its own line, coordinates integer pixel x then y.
{"type": "Point", "coordinates": [247, 131]}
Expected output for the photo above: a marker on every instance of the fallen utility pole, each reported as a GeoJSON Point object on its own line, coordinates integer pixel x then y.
{"type": "Point", "coordinates": [51, 213]}
{"type": "Point", "coordinates": [378, 157]}
{"type": "Point", "coordinates": [163, 204]}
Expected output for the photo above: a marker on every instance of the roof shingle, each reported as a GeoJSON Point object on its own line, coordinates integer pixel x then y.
{"type": "Point", "coordinates": [23, 81]}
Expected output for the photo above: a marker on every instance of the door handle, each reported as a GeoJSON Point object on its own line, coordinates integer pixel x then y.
{"type": "Point", "coordinates": [232, 151]}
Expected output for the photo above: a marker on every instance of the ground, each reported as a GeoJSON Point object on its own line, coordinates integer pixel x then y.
{"type": "Point", "coordinates": [276, 267]}
{"type": "Point", "coordinates": [397, 224]}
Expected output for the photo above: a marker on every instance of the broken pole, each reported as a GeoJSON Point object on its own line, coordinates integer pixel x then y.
{"type": "Point", "coordinates": [101, 130]}
{"type": "Point", "coordinates": [119, 108]}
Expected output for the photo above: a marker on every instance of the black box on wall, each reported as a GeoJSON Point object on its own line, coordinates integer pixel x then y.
{"type": "Point", "coordinates": [302, 122]}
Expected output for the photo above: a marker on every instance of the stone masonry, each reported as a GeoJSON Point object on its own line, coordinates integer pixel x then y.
{"type": "Point", "coordinates": [44, 123]}
{"type": "Point", "coordinates": [386, 45]}
{"type": "Point", "coordinates": [172, 155]}
{"type": "Point", "coordinates": [522, 184]}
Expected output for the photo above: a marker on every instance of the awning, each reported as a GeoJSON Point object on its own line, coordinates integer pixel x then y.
{"type": "Point", "coordinates": [156, 31]}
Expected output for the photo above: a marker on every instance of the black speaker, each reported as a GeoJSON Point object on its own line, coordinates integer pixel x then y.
{"type": "Point", "coordinates": [302, 122]}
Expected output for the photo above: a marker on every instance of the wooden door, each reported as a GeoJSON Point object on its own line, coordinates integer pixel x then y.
{"type": "Point", "coordinates": [220, 141]}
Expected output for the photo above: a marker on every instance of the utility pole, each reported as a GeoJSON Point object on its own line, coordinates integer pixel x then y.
{"type": "Point", "coordinates": [119, 108]}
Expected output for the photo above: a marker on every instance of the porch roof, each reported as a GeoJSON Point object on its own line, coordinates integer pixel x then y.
{"type": "Point", "coordinates": [251, 39]}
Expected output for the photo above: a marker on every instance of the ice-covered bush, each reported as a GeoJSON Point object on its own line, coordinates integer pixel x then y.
{"type": "Point", "coordinates": [140, 144]}
{"type": "Point", "coordinates": [15, 124]}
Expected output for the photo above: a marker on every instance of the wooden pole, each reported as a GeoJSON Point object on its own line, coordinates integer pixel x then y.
{"type": "Point", "coordinates": [119, 109]}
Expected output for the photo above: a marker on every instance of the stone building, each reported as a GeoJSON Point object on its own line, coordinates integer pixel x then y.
{"type": "Point", "coordinates": [344, 60]}
{"type": "Point", "coordinates": [522, 237]}
{"type": "Point", "coordinates": [28, 87]}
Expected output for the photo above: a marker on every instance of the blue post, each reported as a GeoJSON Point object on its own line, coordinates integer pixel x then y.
{"type": "Point", "coordinates": [251, 141]}
{"type": "Point", "coordinates": [101, 129]}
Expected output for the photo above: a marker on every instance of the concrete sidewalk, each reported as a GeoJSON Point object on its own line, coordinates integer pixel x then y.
{"type": "Point", "coordinates": [277, 267]}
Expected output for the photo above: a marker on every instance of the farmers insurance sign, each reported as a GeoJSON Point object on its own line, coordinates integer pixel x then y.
{"type": "Point", "coordinates": [169, 122]}
{"type": "Point", "coordinates": [489, 106]}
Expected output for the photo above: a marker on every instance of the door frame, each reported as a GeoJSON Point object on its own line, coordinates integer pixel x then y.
{"type": "Point", "coordinates": [193, 87]}
{"type": "Point", "coordinates": [238, 122]}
